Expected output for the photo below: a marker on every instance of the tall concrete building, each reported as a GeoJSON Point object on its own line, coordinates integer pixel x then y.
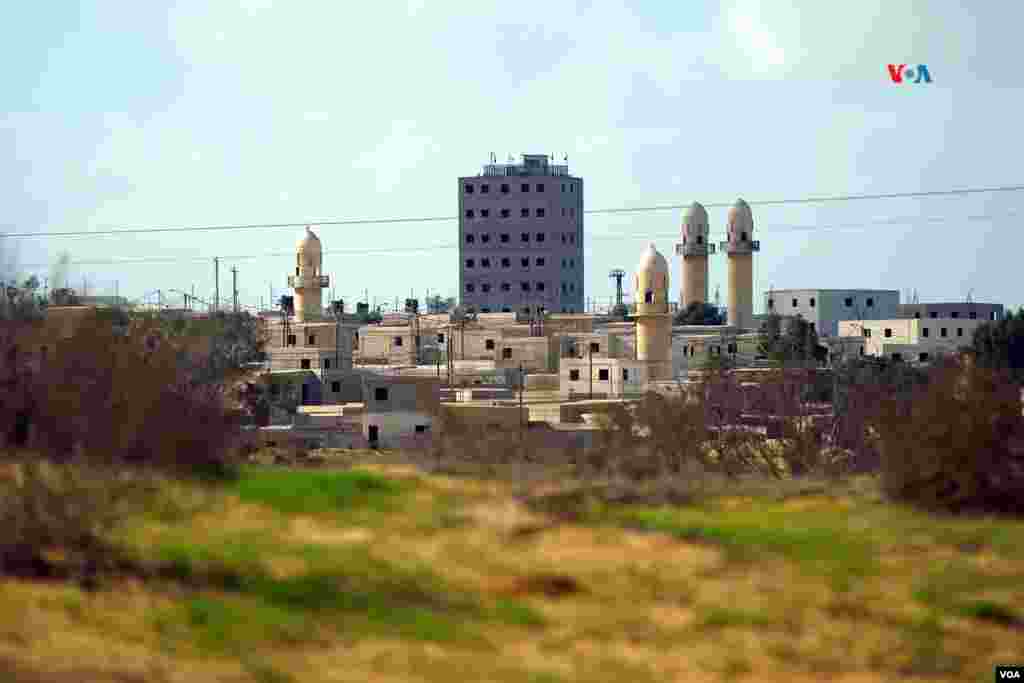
{"type": "Point", "coordinates": [694, 251]}
{"type": "Point", "coordinates": [521, 238]}
{"type": "Point", "coordinates": [739, 248]}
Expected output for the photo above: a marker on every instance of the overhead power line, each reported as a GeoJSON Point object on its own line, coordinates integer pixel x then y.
{"type": "Point", "coordinates": [426, 219]}
{"type": "Point", "coordinates": [771, 229]}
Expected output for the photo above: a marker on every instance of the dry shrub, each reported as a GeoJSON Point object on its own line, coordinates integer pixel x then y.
{"type": "Point", "coordinates": [117, 394]}
{"type": "Point", "coordinates": [57, 517]}
{"type": "Point", "coordinates": [955, 442]}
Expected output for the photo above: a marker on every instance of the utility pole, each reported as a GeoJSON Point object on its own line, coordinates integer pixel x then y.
{"type": "Point", "coordinates": [216, 284]}
{"type": "Point", "coordinates": [46, 289]}
{"type": "Point", "coordinates": [590, 355]}
{"type": "Point", "coordinates": [522, 382]}
{"type": "Point", "coordinates": [234, 288]}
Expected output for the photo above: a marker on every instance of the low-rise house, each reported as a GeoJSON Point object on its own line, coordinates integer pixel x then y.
{"type": "Point", "coordinates": [399, 410]}
{"type": "Point", "coordinates": [910, 339]}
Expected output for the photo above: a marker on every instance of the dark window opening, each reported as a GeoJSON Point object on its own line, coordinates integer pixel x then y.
{"type": "Point", "coordinates": [870, 302]}
{"type": "Point", "coordinates": [420, 429]}
{"type": "Point", "coordinates": [848, 301]}
{"type": "Point", "coordinates": [524, 237]}
{"type": "Point", "coordinates": [540, 261]}
{"type": "Point", "coordinates": [506, 353]}
{"type": "Point", "coordinates": [485, 287]}
{"type": "Point", "coordinates": [485, 263]}
{"type": "Point", "coordinates": [574, 375]}
{"type": "Point", "coordinates": [304, 364]}
{"type": "Point", "coordinates": [506, 287]}
{"type": "Point", "coordinates": [540, 237]}
{"type": "Point", "coordinates": [943, 332]}
{"type": "Point", "coordinates": [397, 341]}
{"type": "Point", "coordinates": [504, 188]}
{"type": "Point", "coordinates": [959, 331]}
{"type": "Point", "coordinates": [540, 187]}
{"type": "Point", "coordinates": [506, 263]}
{"type": "Point", "coordinates": [485, 188]}
{"type": "Point", "coordinates": [933, 314]}
{"type": "Point", "coordinates": [540, 286]}
{"type": "Point", "coordinates": [812, 302]}
{"type": "Point", "coordinates": [602, 374]}
{"type": "Point", "coordinates": [743, 237]}
{"type": "Point", "coordinates": [291, 340]}
{"type": "Point", "coordinates": [469, 263]}
{"type": "Point", "coordinates": [524, 262]}
{"type": "Point", "coordinates": [505, 213]}
{"type": "Point", "coordinates": [888, 332]}
{"type": "Point", "coordinates": [972, 315]}
{"type": "Point", "coordinates": [771, 303]}
{"type": "Point", "coordinates": [469, 213]}
{"type": "Point", "coordinates": [595, 347]}
{"type": "Point", "coordinates": [489, 344]}
{"type": "Point", "coordinates": [924, 332]}
{"type": "Point", "coordinates": [470, 239]}
{"type": "Point", "coordinates": [470, 287]}
{"type": "Point", "coordinates": [540, 213]}
{"type": "Point", "coordinates": [524, 213]}
{"type": "Point", "coordinates": [380, 394]}
{"type": "Point", "coordinates": [469, 189]}
{"type": "Point", "coordinates": [955, 314]}
{"type": "Point", "coordinates": [504, 237]}
{"type": "Point", "coordinates": [311, 341]}
{"type": "Point", "coordinates": [648, 297]}
{"type": "Point", "coordinates": [525, 187]}
{"type": "Point", "coordinates": [485, 213]}
{"type": "Point", "coordinates": [794, 303]}
{"type": "Point", "coordinates": [525, 286]}
{"type": "Point", "coordinates": [923, 357]}
{"type": "Point", "coordinates": [335, 387]}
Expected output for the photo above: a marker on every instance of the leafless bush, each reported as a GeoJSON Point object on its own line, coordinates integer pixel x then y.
{"type": "Point", "coordinates": [111, 394]}
{"type": "Point", "coordinates": [955, 442]}
{"type": "Point", "coordinates": [56, 518]}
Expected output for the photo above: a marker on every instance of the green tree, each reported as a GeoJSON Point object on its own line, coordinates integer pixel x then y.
{"type": "Point", "coordinates": [794, 340]}
{"type": "Point", "coordinates": [999, 345]}
{"type": "Point", "coordinates": [699, 314]}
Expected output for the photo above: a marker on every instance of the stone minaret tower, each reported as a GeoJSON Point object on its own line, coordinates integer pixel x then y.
{"type": "Point", "coordinates": [740, 247]}
{"type": "Point", "coordinates": [653, 318]}
{"type": "Point", "coordinates": [308, 281]}
{"type": "Point", "coordinates": [694, 251]}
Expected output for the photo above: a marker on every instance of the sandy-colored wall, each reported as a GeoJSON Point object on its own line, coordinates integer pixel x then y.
{"type": "Point", "coordinates": [741, 290]}
{"type": "Point", "coordinates": [695, 280]}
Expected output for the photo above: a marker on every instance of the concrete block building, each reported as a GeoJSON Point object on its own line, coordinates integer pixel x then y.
{"type": "Point", "coordinates": [521, 238]}
{"type": "Point", "coordinates": [399, 411]}
{"type": "Point", "coordinates": [824, 308]}
{"type": "Point", "coordinates": [910, 339]}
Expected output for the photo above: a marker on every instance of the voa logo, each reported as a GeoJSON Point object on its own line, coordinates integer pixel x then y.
{"type": "Point", "coordinates": [902, 73]}
{"type": "Point", "coordinates": [1011, 675]}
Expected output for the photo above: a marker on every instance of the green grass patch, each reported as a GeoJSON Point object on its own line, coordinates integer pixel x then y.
{"type": "Point", "coordinates": [722, 617]}
{"type": "Point", "coordinates": [312, 492]}
{"type": "Point", "coordinates": [924, 640]}
{"type": "Point", "coordinates": [831, 550]}
{"type": "Point", "coordinates": [950, 588]}
{"type": "Point", "coordinates": [516, 613]}
{"type": "Point", "coordinates": [987, 610]}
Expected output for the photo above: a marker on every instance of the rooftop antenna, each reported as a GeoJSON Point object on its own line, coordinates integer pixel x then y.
{"type": "Point", "coordinates": [617, 274]}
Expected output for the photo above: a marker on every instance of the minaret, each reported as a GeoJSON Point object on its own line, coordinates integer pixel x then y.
{"type": "Point", "coordinates": [308, 281]}
{"type": "Point", "coordinates": [694, 252]}
{"type": "Point", "coordinates": [740, 247]}
{"type": "Point", "coordinates": [653, 318]}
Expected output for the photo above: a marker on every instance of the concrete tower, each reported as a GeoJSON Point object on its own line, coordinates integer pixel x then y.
{"type": "Point", "coordinates": [694, 251]}
{"type": "Point", "coordinates": [653, 318]}
{"type": "Point", "coordinates": [740, 247]}
{"type": "Point", "coordinates": [308, 281]}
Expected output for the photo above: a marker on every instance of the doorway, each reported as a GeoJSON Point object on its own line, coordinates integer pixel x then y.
{"type": "Point", "coordinates": [305, 394]}
{"type": "Point", "coordinates": [374, 434]}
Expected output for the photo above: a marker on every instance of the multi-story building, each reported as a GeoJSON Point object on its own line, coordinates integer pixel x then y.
{"type": "Point", "coordinates": [521, 238]}
{"type": "Point", "coordinates": [824, 308]}
{"type": "Point", "coordinates": [909, 339]}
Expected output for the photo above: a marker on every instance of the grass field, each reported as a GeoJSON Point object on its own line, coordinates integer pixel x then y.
{"type": "Point", "coordinates": [384, 573]}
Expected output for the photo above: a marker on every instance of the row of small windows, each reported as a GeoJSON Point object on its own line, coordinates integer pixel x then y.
{"type": "Point", "coordinates": [523, 286]}
{"type": "Point", "coordinates": [505, 188]}
{"type": "Point", "coordinates": [505, 237]}
{"type": "Point", "coordinates": [524, 309]}
{"type": "Point", "coordinates": [523, 213]}
{"type": "Point", "coordinates": [925, 332]}
{"type": "Point", "coordinates": [973, 315]}
{"type": "Point", "coordinates": [869, 302]}
{"type": "Point", "coordinates": [540, 261]}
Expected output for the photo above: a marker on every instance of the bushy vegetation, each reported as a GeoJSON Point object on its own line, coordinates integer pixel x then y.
{"type": "Point", "coordinates": [699, 314]}
{"type": "Point", "coordinates": [955, 441]}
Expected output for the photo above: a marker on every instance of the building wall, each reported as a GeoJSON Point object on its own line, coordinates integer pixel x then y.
{"type": "Point", "coordinates": [535, 354]}
{"type": "Point", "coordinates": [741, 290]}
{"type": "Point", "coordinates": [882, 337]}
{"type": "Point", "coordinates": [612, 377]}
{"type": "Point", "coordinates": [832, 305]}
{"type": "Point", "coordinates": [955, 310]}
{"type": "Point", "coordinates": [695, 280]}
{"type": "Point", "coordinates": [562, 249]}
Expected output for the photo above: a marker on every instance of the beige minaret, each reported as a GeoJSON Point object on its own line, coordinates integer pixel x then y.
{"type": "Point", "coordinates": [308, 281]}
{"type": "Point", "coordinates": [739, 248]}
{"type": "Point", "coordinates": [653, 318]}
{"type": "Point", "coordinates": [694, 251]}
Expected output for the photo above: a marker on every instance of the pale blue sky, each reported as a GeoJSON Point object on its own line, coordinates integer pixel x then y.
{"type": "Point", "coordinates": [118, 114]}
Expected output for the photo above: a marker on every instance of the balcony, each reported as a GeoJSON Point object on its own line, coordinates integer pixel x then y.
{"type": "Point", "coordinates": [309, 281]}
{"type": "Point", "coordinates": [694, 249]}
{"type": "Point", "coordinates": [740, 247]}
